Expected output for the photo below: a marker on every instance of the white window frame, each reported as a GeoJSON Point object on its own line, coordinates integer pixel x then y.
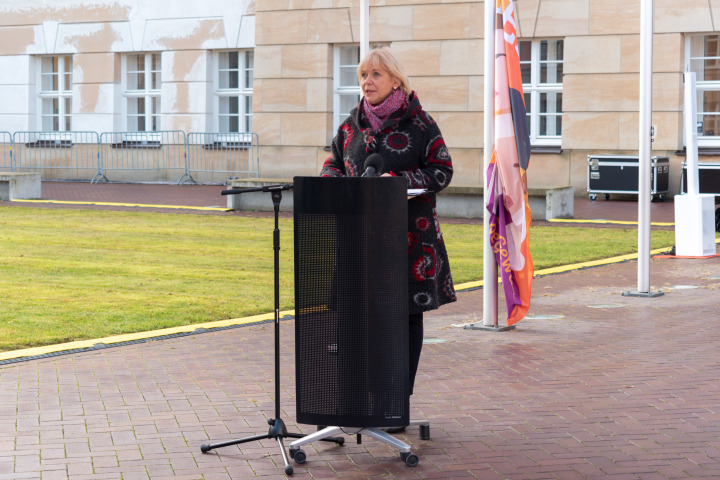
{"type": "Point", "coordinates": [63, 94]}
{"type": "Point", "coordinates": [702, 86]}
{"type": "Point", "coordinates": [243, 92]}
{"type": "Point", "coordinates": [147, 93]}
{"type": "Point", "coordinates": [341, 90]}
{"type": "Point", "coordinates": [535, 89]}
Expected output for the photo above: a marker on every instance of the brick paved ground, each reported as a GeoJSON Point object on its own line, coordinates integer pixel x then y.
{"type": "Point", "coordinates": [620, 207]}
{"type": "Point", "coordinates": [593, 385]}
{"type": "Point", "coordinates": [156, 194]}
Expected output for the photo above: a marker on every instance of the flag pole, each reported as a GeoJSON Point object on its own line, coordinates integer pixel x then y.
{"type": "Point", "coordinates": [364, 28]}
{"type": "Point", "coordinates": [691, 137]}
{"type": "Point", "coordinates": [490, 273]}
{"type": "Point", "coordinates": [645, 152]}
{"type": "Point", "coordinates": [506, 154]}
{"type": "Point", "coordinates": [490, 269]}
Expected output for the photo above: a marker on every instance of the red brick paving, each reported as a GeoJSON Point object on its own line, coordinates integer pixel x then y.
{"type": "Point", "coordinates": [630, 392]}
{"type": "Point", "coordinates": [156, 194]}
{"type": "Point", "coordinates": [623, 207]}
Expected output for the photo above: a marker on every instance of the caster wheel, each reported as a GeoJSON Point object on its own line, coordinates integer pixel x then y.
{"type": "Point", "coordinates": [607, 196]}
{"type": "Point", "coordinates": [424, 432]}
{"type": "Point", "coordinates": [341, 441]}
{"type": "Point", "coordinates": [205, 448]}
{"type": "Point", "coordinates": [593, 197]}
{"type": "Point", "coordinates": [288, 470]}
{"type": "Point", "coordinates": [298, 456]}
{"type": "Point", "coordinates": [410, 459]}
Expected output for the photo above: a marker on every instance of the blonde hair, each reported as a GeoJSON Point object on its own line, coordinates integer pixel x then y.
{"type": "Point", "coordinates": [383, 58]}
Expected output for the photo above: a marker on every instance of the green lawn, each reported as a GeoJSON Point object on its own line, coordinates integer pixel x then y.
{"type": "Point", "coordinates": [79, 274]}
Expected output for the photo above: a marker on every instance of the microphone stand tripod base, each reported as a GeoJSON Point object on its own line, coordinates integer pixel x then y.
{"type": "Point", "coordinates": [277, 431]}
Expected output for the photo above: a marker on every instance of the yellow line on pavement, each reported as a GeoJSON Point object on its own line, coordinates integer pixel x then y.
{"type": "Point", "coordinates": [569, 268]}
{"type": "Point", "coordinates": [109, 204]}
{"type": "Point", "coordinates": [608, 222]}
{"type": "Point", "coordinates": [37, 351]}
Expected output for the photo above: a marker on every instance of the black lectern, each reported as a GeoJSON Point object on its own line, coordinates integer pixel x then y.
{"type": "Point", "coordinates": [351, 307]}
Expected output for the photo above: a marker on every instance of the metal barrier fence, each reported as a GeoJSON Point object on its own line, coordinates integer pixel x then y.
{"type": "Point", "coordinates": [6, 151]}
{"type": "Point", "coordinates": [132, 156]}
{"type": "Point", "coordinates": [224, 153]}
{"type": "Point", "coordinates": [151, 155]}
{"type": "Point", "coordinates": [66, 155]}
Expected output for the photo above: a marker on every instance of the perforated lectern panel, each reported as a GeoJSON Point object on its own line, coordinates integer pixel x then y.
{"type": "Point", "coordinates": [351, 301]}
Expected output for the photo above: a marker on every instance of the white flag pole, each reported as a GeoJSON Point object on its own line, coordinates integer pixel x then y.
{"type": "Point", "coordinates": [490, 267]}
{"type": "Point", "coordinates": [646, 66]}
{"type": "Point", "coordinates": [645, 151]}
{"type": "Point", "coordinates": [364, 28]}
{"type": "Point", "coordinates": [691, 138]}
{"type": "Point", "coordinates": [490, 273]}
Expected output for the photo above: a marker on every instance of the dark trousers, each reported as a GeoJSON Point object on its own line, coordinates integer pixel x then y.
{"type": "Point", "coordinates": [416, 343]}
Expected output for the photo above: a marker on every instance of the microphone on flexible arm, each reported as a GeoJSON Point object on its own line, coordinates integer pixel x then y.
{"type": "Point", "coordinates": [373, 165]}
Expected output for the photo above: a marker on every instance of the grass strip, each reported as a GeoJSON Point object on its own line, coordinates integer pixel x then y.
{"type": "Point", "coordinates": [69, 275]}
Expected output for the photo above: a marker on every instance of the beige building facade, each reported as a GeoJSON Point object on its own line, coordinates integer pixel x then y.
{"type": "Point", "coordinates": [165, 66]}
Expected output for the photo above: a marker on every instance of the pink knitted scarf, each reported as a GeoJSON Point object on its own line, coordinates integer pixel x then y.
{"type": "Point", "coordinates": [378, 114]}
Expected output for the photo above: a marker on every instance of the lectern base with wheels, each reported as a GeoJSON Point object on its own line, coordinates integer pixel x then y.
{"type": "Point", "coordinates": [351, 308]}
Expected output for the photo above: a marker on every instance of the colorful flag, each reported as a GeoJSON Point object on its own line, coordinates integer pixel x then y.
{"type": "Point", "coordinates": [506, 181]}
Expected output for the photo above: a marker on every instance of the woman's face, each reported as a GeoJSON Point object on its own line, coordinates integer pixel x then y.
{"type": "Point", "coordinates": [377, 84]}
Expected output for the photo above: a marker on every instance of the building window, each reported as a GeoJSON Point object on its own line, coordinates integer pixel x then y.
{"type": "Point", "coordinates": [703, 58]}
{"type": "Point", "coordinates": [141, 90]}
{"type": "Point", "coordinates": [346, 89]}
{"type": "Point", "coordinates": [541, 64]}
{"type": "Point", "coordinates": [56, 93]}
{"type": "Point", "coordinates": [234, 91]}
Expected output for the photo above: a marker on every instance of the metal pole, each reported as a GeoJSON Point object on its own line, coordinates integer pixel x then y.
{"type": "Point", "coordinates": [646, 49]}
{"type": "Point", "coordinates": [490, 272]}
{"type": "Point", "coordinates": [691, 137]}
{"type": "Point", "coordinates": [364, 28]}
{"type": "Point", "coordinates": [645, 149]}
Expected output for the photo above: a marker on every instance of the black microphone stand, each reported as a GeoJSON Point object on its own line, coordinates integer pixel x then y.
{"type": "Point", "coordinates": [277, 430]}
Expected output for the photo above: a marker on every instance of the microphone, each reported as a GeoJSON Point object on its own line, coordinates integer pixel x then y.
{"type": "Point", "coordinates": [373, 165]}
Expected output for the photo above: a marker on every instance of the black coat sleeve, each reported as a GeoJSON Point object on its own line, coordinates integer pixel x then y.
{"type": "Point", "coordinates": [435, 170]}
{"type": "Point", "coordinates": [334, 165]}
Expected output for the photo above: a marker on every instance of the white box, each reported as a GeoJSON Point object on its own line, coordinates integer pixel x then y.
{"type": "Point", "coordinates": [694, 225]}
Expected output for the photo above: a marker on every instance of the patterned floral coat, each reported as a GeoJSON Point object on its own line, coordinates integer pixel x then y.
{"type": "Point", "coordinates": [411, 145]}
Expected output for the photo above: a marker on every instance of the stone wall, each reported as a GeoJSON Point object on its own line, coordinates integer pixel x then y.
{"type": "Point", "coordinates": [441, 46]}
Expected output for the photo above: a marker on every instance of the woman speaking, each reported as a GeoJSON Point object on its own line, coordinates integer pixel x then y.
{"type": "Point", "coordinates": [390, 121]}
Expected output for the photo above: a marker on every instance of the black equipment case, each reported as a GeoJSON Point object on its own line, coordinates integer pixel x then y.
{"type": "Point", "coordinates": [619, 174]}
{"type": "Point", "coordinates": [708, 178]}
